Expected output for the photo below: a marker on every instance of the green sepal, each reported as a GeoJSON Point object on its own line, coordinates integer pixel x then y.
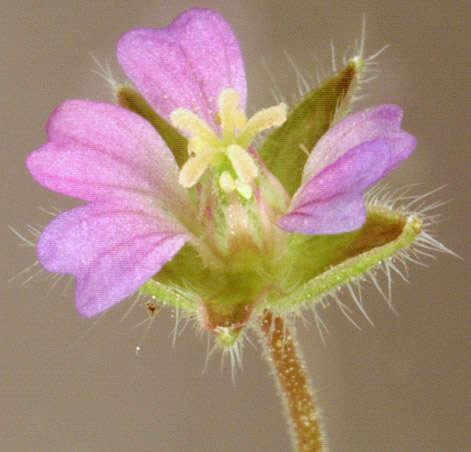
{"type": "Point", "coordinates": [310, 267]}
{"type": "Point", "coordinates": [185, 267]}
{"type": "Point", "coordinates": [171, 284]}
{"type": "Point", "coordinates": [168, 294]}
{"type": "Point", "coordinates": [226, 293]}
{"type": "Point", "coordinates": [177, 143]}
{"type": "Point", "coordinates": [286, 150]}
{"type": "Point", "coordinates": [320, 263]}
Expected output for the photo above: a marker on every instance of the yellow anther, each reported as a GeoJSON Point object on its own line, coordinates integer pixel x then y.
{"type": "Point", "coordinates": [228, 100]}
{"type": "Point", "coordinates": [262, 120]}
{"type": "Point", "coordinates": [196, 145]}
{"type": "Point", "coordinates": [186, 120]}
{"type": "Point", "coordinates": [206, 148]}
{"type": "Point", "coordinates": [230, 116]}
{"type": "Point", "coordinates": [226, 182]}
{"type": "Point", "coordinates": [243, 164]}
{"type": "Point", "coordinates": [194, 168]}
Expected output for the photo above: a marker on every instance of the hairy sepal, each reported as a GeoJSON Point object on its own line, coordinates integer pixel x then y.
{"type": "Point", "coordinates": [172, 284]}
{"type": "Point", "coordinates": [319, 264]}
{"type": "Point", "coordinates": [223, 297]}
{"type": "Point", "coordinates": [286, 150]}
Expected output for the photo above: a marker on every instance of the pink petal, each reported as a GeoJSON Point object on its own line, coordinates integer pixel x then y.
{"type": "Point", "coordinates": [378, 122]}
{"type": "Point", "coordinates": [331, 201]}
{"type": "Point", "coordinates": [101, 151]}
{"type": "Point", "coordinates": [186, 64]}
{"type": "Point", "coordinates": [111, 247]}
{"type": "Point", "coordinates": [344, 212]}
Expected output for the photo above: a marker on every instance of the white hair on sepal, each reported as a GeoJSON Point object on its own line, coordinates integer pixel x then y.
{"type": "Point", "coordinates": [306, 83]}
{"type": "Point", "coordinates": [103, 71]}
{"type": "Point", "coordinates": [275, 89]}
{"type": "Point", "coordinates": [354, 288]}
{"type": "Point", "coordinates": [344, 309]}
{"type": "Point", "coordinates": [137, 299]}
{"type": "Point", "coordinates": [407, 203]}
{"type": "Point", "coordinates": [404, 201]}
{"type": "Point", "coordinates": [319, 323]}
{"type": "Point", "coordinates": [180, 319]}
{"type": "Point", "coordinates": [154, 306]}
{"type": "Point", "coordinates": [321, 72]}
{"type": "Point", "coordinates": [233, 353]}
{"type": "Point", "coordinates": [303, 86]}
{"type": "Point", "coordinates": [358, 50]}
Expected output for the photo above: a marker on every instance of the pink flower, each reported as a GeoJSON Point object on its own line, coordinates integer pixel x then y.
{"type": "Point", "coordinates": [141, 208]}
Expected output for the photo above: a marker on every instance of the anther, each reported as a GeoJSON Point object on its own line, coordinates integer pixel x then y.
{"type": "Point", "coordinates": [197, 145]}
{"type": "Point", "coordinates": [231, 117]}
{"type": "Point", "coordinates": [204, 145]}
{"type": "Point", "coordinates": [243, 163]}
{"type": "Point", "coordinates": [262, 120]}
{"type": "Point", "coordinates": [186, 120]}
{"type": "Point", "coordinates": [194, 168]}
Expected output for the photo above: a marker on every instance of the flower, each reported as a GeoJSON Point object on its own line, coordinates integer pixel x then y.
{"type": "Point", "coordinates": [182, 204]}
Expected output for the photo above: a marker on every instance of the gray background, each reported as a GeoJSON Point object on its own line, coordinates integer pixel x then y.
{"type": "Point", "coordinates": [400, 386]}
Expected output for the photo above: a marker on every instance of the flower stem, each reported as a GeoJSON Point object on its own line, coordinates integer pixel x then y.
{"type": "Point", "coordinates": [288, 366]}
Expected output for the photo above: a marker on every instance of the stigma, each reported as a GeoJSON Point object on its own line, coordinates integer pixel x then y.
{"type": "Point", "coordinates": [226, 154]}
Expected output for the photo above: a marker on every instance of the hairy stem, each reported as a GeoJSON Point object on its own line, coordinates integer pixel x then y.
{"type": "Point", "coordinates": [289, 369]}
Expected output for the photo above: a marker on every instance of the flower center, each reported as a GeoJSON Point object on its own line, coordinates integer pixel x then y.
{"type": "Point", "coordinates": [227, 154]}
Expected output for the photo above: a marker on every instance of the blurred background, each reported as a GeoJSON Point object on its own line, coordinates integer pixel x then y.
{"type": "Point", "coordinates": [70, 384]}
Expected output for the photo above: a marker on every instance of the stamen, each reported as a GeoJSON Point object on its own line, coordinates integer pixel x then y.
{"type": "Point", "coordinates": [243, 164]}
{"type": "Point", "coordinates": [205, 147]}
{"type": "Point", "coordinates": [186, 120]}
{"type": "Point", "coordinates": [231, 117]}
{"type": "Point", "coordinates": [194, 168]}
{"type": "Point", "coordinates": [262, 120]}
{"type": "Point", "coordinates": [196, 146]}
